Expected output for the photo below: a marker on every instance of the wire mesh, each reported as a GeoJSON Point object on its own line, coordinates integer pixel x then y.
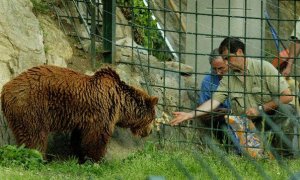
{"type": "Point", "coordinates": [163, 31]}
{"type": "Point", "coordinates": [170, 41]}
{"type": "Point", "coordinates": [259, 45]}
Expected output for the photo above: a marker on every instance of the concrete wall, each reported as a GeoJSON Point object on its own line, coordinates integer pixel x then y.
{"type": "Point", "coordinates": [213, 21]}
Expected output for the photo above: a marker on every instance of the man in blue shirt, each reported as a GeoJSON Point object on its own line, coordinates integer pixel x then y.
{"type": "Point", "coordinates": [210, 83]}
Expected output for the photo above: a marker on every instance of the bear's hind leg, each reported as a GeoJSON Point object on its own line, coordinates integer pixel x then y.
{"type": "Point", "coordinates": [94, 146]}
{"type": "Point", "coordinates": [76, 143]}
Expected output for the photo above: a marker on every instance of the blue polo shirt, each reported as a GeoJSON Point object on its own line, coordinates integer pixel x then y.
{"type": "Point", "coordinates": [209, 85]}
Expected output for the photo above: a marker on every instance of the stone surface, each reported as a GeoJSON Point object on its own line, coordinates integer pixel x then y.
{"type": "Point", "coordinates": [27, 41]}
{"type": "Point", "coordinates": [57, 48]}
{"type": "Point", "coordinates": [21, 38]}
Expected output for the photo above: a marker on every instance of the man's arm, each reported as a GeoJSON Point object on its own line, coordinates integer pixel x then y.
{"type": "Point", "coordinates": [206, 107]}
{"type": "Point", "coordinates": [284, 98]}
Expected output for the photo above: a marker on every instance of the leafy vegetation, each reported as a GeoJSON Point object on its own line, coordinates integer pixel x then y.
{"type": "Point", "coordinates": [145, 29]}
{"type": "Point", "coordinates": [40, 6]}
{"type": "Point", "coordinates": [170, 163]}
{"type": "Point", "coordinates": [20, 156]}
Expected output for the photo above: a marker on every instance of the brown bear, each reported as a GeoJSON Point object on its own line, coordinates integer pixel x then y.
{"type": "Point", "coordinates": [48, 99]}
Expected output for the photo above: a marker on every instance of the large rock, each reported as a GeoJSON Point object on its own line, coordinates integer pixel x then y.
{"type": "Point", "coordinates": [21, 47]}
{"type": "Point", "coordinates": [164, 80]}
{"type": "Point", "coordinates": [57, 48]}
{"type": "Point", "coordinates": [27, 41]}
{"type": "Point", "coordinates": [21, 39]}
{"type": "Point", "coordinates": [121, 30]}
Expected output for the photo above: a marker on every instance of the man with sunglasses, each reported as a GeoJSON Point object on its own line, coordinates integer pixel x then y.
{"type": "Point", "coordinates": [252, 86]}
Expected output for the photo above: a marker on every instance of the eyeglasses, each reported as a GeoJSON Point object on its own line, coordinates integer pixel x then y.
{"type": "Point", "coordinates": [227, 56]}
{"type": "Point", "coordinates": [219, 69]}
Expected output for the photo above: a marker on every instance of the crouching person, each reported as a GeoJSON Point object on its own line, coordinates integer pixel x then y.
{"type": "Point", "coordinates": [252, 86]}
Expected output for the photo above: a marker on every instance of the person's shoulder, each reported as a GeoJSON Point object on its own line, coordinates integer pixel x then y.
{"type": "Point", "coordinates": [256, 60]}
{"type": "Point", "coordinates": [208, 80]}
{"type": "Point", "coordinates": [260, 63]}
{"type": "Point", "coordinates": [254, 63]}
{"type": "Point", "coordinates": [208, 76]}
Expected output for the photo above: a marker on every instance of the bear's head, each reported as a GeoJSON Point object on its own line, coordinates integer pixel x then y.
{"type": "Point", "coordinates": [137, 107]}
{"type": "Point", "coordinates": [146, 116]}
{"type": "Point", "coordinates": [138, 112]}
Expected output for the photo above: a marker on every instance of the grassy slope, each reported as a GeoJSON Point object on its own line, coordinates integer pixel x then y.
{"type": "Point", "coordinates": [171, 164]}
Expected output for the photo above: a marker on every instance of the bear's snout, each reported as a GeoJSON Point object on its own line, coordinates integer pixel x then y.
{"type": "Point", "coordinates": [142, 132]}
{"type": "Point", "coordinates": [145, 133]}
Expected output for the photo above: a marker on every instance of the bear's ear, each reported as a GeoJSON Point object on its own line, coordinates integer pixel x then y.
{"type": "Point", "coordinates": [153, 100]}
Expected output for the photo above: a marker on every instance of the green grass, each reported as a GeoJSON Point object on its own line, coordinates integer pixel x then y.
{"type": "Point", "coordinates": [175, 163]}
{"type": "Point", "coordinates": [41, 6]}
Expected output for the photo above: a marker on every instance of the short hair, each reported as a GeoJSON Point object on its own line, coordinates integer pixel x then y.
{"type": "Point", "coordinates": [232, 44]}
{"type": "Point", "coordinates": [214, 54]}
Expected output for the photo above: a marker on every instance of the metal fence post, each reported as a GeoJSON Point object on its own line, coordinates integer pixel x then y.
{"type": "Point", "coordinates": [93, 33]}
{"type": "Point", "coordinates": [109, 29]}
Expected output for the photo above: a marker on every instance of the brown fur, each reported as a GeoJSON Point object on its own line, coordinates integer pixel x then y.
{"type": "Point", "coordinates": [45, 99]}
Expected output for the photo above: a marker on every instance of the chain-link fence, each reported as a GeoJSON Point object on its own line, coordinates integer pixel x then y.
{"type": "Point", "coordinates": [170, 46]}
{"type": "Point", "coordinates": [172, 40]}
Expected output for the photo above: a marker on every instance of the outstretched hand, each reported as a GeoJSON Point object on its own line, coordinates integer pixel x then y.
{"type": "Point", "coordinates": [252, 112]}
{"type": "Point", "coordinates": [180, 117]}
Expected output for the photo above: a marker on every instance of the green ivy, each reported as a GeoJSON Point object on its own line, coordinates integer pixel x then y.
{"type": "Point", "coordinates": [145, 31]}
{"type": "Point", "coordinates": [41, 6]}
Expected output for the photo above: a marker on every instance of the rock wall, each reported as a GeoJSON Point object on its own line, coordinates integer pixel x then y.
{"type": "Point", "coordinates": [27, 40]}
{"type": "Point", "coordinates": [21, 39]}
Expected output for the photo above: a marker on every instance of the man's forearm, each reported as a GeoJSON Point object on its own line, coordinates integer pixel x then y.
{"type": "Point", "coordinates": [269, 106]}
{"type": "Point", "coordinates": [285, 98]}
{"type": "Point", "coordinates": [206, 107]}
